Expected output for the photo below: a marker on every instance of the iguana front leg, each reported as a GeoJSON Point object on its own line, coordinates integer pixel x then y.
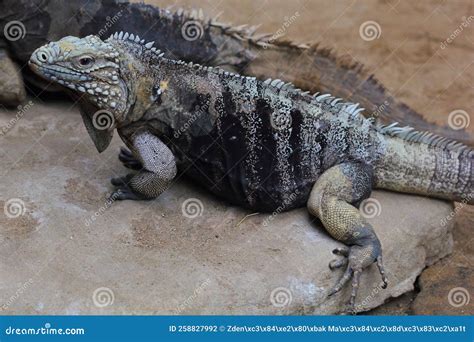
{"type": "Point", "coordinates": [159, 169]}
{"type": "Point", "coordinates": [333, 200]}
{"type": "Point", "coordinates": [128, 160]}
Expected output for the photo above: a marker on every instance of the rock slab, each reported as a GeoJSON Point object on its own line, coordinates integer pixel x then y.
{"type": "Point", "coordinates": [72, 252]}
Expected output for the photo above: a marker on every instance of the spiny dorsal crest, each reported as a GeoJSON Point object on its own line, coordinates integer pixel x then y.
{"type": "Point", "coordinates": [351, 109]}
{"type": "Point", "coordinates": [130, 37]}
{"type": "Point", "coordinates": [409, 134]}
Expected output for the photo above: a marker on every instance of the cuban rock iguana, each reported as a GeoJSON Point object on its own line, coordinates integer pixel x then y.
{"type": "Point", "coordinates": [258, 144]}
{"type": "Point", "coordinates": [193, 37]}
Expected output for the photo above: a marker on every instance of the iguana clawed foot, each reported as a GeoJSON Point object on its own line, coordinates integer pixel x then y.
{"type": "Point", "coordinates": [357, 258]}
{"type": "Point", "coordinates": [123, 191]}
{"type": "Point", "coordinates": [128, 160]}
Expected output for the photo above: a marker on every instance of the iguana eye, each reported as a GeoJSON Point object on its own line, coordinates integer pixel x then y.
{"type": "Point", "coordinates": [85, 62]}
{"type": "Point", "coordinates": [42, 57]}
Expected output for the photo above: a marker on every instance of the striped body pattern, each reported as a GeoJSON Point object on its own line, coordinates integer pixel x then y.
{"type": "Point", "coordinates": [260, 144]}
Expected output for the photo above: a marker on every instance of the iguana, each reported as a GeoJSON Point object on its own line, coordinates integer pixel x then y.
{"type": "Point", "coordinates": [259, 144]}
{"type": "Point", "coordinates": [209, 42]}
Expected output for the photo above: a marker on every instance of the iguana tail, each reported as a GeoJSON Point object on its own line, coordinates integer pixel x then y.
{"type": "Point", "coordinates": [425, 164]}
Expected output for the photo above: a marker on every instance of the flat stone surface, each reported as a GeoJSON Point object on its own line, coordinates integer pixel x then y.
{"type": "Point", "coordinates": [71, 252]}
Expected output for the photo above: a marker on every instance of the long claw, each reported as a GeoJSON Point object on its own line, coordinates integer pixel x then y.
{"type": "Point", "coordinates": [355, 288]}
{"type": "Point", "coordinates": [344, 279]}
{"type": "Point", "coordinates": [382, 272]}
{"type": "Point", "coordinates": [124, 193]}
{"type": "Point", "coordinates": [126, 152]}
{"type": "Point", "coordinates": [338, 263]}
{"type": "Point", "coordinates": [121, 181]}
{"type": "Point", "coordinates": [128, 160]}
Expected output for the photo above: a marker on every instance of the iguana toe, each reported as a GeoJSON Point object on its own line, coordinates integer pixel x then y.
{"type": "Point", "coordinates": [338, 263]}
{"type": "Point", "coordinates": [124, 193]}
{"type": "Point", "coordinates": [128, 160]}
{"type": "Point", "coordinates": [120, 181]}
{"type": "Point", "coordinates": [359, 258]}
{"type": "Point", "coordinates": [344, 251]}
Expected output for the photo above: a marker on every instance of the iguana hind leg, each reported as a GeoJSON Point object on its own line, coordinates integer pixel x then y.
{"type": "Point", "coordinates": [157, 172]}
{"type": "Point", "coordinates": [333, 200]}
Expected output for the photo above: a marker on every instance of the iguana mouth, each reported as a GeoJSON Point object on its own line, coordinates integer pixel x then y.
{"type": "Point", "coordinates": [57, 72]}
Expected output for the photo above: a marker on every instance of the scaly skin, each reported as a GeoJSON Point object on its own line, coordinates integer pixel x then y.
{"type": "Point", "coordinates": [237, 49]}
{"type": "Point", "coordinates": [262, 145]}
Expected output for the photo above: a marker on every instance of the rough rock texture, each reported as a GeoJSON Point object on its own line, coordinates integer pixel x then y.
{"type": "Point", "coordinates": [71, 252]}
{"type": "Point", "coordinates": [447, 286]}
{"type": "Point", "coordinates": [12, 90]}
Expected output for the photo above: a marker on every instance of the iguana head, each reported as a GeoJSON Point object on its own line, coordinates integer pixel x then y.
{"type": "Point", "coordinates": [89, 67]}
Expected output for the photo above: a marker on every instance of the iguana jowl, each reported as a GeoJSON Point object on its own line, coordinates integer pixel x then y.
{"type": "Point", "coordinates": [259, 144]}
